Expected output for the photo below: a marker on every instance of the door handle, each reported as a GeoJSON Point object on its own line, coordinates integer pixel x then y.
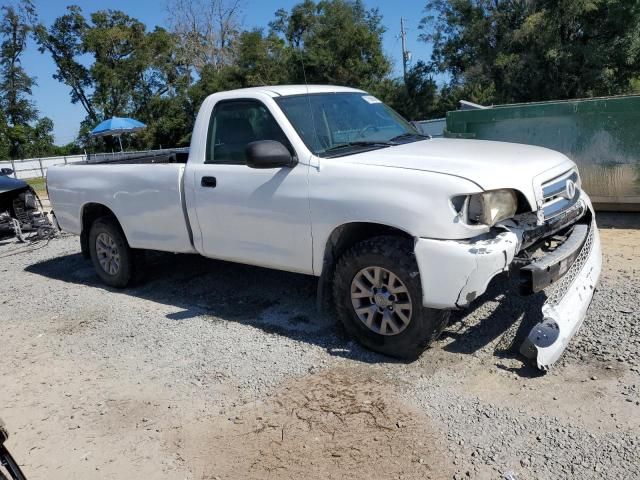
{"type": "Point", "coordinates": [208, 182]}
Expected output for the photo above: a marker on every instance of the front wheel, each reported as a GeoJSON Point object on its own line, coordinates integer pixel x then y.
{"type": "Point", "coordinates": [378, 298]}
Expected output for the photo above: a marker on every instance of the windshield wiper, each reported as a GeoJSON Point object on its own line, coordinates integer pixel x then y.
{"type": "Point", "coordinates": [357, 144]}
{"type": "Point", "coordinates": [408, 135]}
{"type": "Point", "coordinates": [380, 144]}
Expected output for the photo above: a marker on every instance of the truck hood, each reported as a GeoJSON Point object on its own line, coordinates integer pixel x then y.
{"type": "Point", "coordinates": [8, 184]}
{"type": "Point", "coordinates": [488, 164]}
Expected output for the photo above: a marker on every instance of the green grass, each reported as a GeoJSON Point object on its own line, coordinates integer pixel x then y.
{"type": "Point", "coordinates": [38, 184]}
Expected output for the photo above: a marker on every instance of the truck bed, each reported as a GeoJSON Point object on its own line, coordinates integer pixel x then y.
{"type": "Point", "coordinates": [148, 202]}
{"type": "Point", "coordinates": [174, 155]}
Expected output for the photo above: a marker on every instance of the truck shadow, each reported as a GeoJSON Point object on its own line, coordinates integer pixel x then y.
{"type": "Point", "coordinates": [276, 302]}
{"type": "Point", "coordinates": [192, 287]}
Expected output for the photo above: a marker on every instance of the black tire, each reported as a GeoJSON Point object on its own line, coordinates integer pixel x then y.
{"type": "Point", "coordinates": [126, 270]}
{"type": "Point", "coordinates": [395, 254]}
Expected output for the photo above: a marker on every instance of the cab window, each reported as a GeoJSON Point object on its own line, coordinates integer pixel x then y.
{"type": "Point", "coordinates": [236, 123]}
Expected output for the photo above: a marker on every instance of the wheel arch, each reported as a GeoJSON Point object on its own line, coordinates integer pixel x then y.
{"type": "Point", "coordinates": [339, 241]}
{"type": "Point", "coordinates": [89, 214]}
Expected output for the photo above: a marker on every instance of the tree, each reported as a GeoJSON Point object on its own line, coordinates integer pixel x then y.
{"type": "Point", "coordinates": [22, 133]}
{"type": "Point", "coordinates": [114, 66]}
{"type": "Point", "coordinates": [515, 51]}
{"type": "Point", "coordinates": [305, 36]}
{"type": "Point", "coordinates": [264, 59]}
{"type": "Point", "coordinates": [4, 137]}
{"type": "Point", "coordinates": [207, 31]}
{"type": "Point", "coordinates": [212, 81]}
{"type": "Point", "coordinates": [338, 41]}
{"type": "Point", "coordinates": [415, 99]}
{"type": "Point", "coordinates": [15, 84]}
{"type": "Point", "coordinates": [131, 65]}
{"type": "Point", "coordinates": [40, 138]}
{"type": "Point", "coordinates": [64, 41]}
{"type": "Point", "coordinates": [134, 72]}
{"type": "Point", "coordinates": [259, 61]}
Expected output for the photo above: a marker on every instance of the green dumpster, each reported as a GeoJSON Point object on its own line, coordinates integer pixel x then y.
{"type": "Point", "coordinates": [602, 135]}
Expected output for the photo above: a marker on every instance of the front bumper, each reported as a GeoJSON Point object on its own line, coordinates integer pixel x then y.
{"type": "Point", "coordinates": [454, 273]}
{"type": "Point", "coordinates": [566, 305]}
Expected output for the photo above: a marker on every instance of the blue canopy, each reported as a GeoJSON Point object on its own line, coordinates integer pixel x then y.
{"type": "Point", "coordinates": [117, 126]}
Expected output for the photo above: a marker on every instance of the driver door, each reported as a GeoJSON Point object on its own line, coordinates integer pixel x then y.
{"type": "Point", "coordinates": [247, 215]}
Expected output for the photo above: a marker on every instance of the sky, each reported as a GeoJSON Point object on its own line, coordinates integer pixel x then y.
{"type": "Point", "coordinates": [52, 97]}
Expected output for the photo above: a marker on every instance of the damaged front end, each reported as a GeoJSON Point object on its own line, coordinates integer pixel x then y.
{"type": "Point", "coordinates": [559, 254]}
{"type": "Point", "coordinates": [21, 212]}
{"type": "Point", "coordinates": [568, 270]}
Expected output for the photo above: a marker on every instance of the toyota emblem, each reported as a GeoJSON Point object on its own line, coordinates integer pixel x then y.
{"type": "Point", "coordinates": [570, 189]}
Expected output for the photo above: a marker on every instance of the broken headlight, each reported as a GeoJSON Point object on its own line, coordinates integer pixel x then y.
{"type": "Point", "coordinates": [491, 207]}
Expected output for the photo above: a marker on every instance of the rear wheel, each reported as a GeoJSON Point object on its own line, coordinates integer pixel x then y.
{"type": "Point", "coordinates": [378, 297]}
{"type": "Point", "coordinates": [111, 255]}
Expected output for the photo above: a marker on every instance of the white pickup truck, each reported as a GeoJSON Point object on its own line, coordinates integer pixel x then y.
{"type": "Point", "coordinates": [329, 181]}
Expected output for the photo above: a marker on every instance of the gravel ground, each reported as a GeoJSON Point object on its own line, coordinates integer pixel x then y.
{"type": "Point", "coordinates": [215, 370]}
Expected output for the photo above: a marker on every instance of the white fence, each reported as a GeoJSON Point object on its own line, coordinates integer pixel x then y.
{"type": "Point", "coordinates": [37, 167]}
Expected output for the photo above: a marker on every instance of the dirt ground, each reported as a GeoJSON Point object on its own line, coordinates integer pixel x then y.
{"type": "Point", "coordinates": [210, 370]}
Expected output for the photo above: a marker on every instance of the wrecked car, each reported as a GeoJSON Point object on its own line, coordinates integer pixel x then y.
{"type": "Point", "coordinates": [328, 181]}
{"type": "Point", "coordinates": [20, 209]}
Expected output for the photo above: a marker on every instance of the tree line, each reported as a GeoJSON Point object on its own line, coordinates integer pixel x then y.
{"type": "Point", "coordinates": [485, 51]}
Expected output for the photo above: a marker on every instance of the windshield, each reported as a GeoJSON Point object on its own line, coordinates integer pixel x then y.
{"type": "Point", "coordinates": [336, 124]}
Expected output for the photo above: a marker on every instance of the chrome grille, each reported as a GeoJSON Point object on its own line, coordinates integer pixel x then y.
{"type": "Point", "coordinates": [556, 194]}
{"type": "Point", "coordinates": [556, 293]}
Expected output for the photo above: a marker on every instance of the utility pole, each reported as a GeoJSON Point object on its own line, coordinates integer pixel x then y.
{"type": "Point", "coordinates": [405, 53]}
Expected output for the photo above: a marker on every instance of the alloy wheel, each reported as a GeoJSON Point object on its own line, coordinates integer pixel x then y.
{"type": "Point", "coordinates": [381, 300]}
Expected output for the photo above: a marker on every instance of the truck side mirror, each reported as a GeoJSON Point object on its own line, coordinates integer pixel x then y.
{"type": "Point", "coordinates": [268, 154]}
{"type": "Point", "coordinates": [6, 171]}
